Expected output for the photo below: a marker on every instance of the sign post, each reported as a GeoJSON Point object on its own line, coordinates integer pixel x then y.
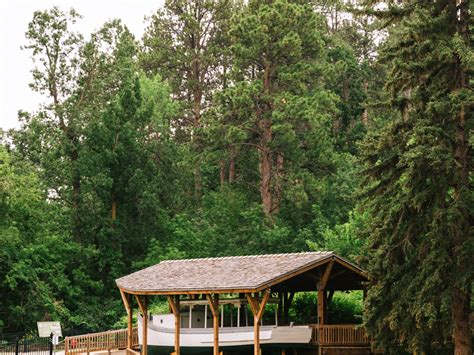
{"type": "Point", "coordinates": [51, 330]}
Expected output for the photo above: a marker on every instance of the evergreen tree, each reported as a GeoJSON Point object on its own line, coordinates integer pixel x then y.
{"type": "Point", "coordinates": [281, 104]}
{"type": "Point", "coordinates": [183, 44]}
{"type": "Point", "coordinates": [419, 185]}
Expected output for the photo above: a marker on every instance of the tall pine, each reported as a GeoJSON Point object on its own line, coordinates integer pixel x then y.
{"type": "Point", "coordinates": [419, 185]}
{"type": "Point", "coordinates": [281, 104]}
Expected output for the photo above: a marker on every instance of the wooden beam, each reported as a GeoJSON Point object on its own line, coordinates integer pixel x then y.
{"type": "Point", "coordinates": [214, 306]}
{"type": "Point", "coordinates": [325, 277]}
{"type": "Point", "coordinates": [322, 293]}
{"type": "Point", "coordinates": [258, 307]}
{"type": "Point", "coordinates": [174, 304]}
{"type": "Point", "coordinates": [321, 307]}
{"type": "Point", "coordinates": [127, 301]}
{"type": "Point", "coordinates": [253, 304]}
{"type": "Point", "coordinates": [143, 306]}
{"type": "Point", "coordinates": [263, 304]}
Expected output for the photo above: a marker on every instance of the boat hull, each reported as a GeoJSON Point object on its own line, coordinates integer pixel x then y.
{"type": "Point", "coordinates": [240, 339]}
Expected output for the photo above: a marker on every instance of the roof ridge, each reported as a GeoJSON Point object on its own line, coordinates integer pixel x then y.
{"type": "Point", "coordinates": [247, 256]}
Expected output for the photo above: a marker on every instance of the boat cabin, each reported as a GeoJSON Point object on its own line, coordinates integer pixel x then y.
{"type": "Point", "coordinates": [218, 304]}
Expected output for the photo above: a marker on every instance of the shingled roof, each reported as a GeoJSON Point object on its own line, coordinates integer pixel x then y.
{"type": "Point", "coordinates": [227, 274]}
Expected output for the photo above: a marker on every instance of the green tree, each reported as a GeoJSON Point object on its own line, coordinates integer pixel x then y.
{"type": "Point", "coordinates": [40, 273]}
{"type": "Point", "coordinates": [56, 49]}
{"type": "Point", "coordinates": [279, 94]}
{"type": "Point", "coordinates": [183, 43]}
{"type": "Point", "coordinates": [121, 157]}
{"type": "Point", "coordinates": [418, 186]}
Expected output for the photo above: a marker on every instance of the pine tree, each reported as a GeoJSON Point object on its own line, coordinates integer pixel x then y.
{"type": "Point", "coordinates": [182, 44]}
{"type": "Point", "coordinates": [419, 185]}
{"type": "Point", "coordinates": [281, 105]}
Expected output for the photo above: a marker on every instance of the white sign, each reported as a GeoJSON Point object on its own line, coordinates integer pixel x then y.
{"type": "Point", "coordinates": [45, 329]}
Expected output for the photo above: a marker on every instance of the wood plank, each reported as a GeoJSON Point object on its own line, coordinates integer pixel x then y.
{"type": "Point", "coordinates": [214, 306]}
{"type": "Point", "coordinates": [174, 304]}
{"type": "Point", "coordinates": [324, 280]}
{"type": "Point", "coordinates": [258, 307]}
{"type": "Point", "coordinates": [143, 305]}
{"type": "Point", "coordinates": [127, 301]}
{"type": "Point", "coordinates": [321, 306]}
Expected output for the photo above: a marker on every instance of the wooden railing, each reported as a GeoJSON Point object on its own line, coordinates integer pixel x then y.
{"type": "Point", "coordinates": [339, 334]}
{"type": "Point", "coordinates": [104, 341]}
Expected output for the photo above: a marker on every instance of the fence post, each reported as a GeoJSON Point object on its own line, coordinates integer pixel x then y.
{"type": "Point", "coordinates": [51, 344]}
{"type": "Point", "coordinates": [108, 342]}
{"type": "Point", "coordinates": [17, 346]}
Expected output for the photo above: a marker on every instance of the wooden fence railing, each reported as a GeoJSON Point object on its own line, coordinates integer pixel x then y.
{"type": "Point", "coordinates": [104, 341]}
{"type": "Point", "coordinates": [339, 334]}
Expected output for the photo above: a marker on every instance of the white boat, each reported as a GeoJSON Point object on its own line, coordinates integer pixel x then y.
{"type": "Point", "coordinates": [235, 332]}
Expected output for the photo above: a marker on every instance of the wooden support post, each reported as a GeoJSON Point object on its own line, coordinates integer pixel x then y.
{"type": "Point", "coordinates": [327, 273]}
{"type": "Point", "coordinates": [127, 301]}
{"type": "Point", "coordinates": [321, 292]}
{"type": "Point", "coordinates": [143, 305]}
{"type": "Point", "coordinates": [321, 307]}
{"type": "Point", "coordinates": [214, 306]}
{"type": "Point", "coordinates": [257, 309]}
{"type": "Point", "coordinates": [174, 305]}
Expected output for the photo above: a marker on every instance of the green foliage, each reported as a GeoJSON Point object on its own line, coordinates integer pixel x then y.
{"type": "Point", "coordinates": [150, 150]}
{"type": "Point", "coordinates": [37, 258]}
{"type": "Point", "coordinates": [418, 187]}
{"type": "Point", "coordinates": [344, 308]}
{"type": "Point", "coordinates": [344, 239]}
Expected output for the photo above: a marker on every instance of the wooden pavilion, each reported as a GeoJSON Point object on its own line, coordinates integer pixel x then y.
{"type": "Point", "coordinates": [254, 277]}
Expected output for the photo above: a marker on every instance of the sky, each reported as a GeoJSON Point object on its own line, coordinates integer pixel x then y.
{"type": "Point", "coordinates": [15, 64]}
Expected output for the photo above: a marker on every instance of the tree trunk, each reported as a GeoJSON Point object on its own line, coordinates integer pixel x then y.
{"type": "Point", "coordinates": [461, 327]}
{"type": "Point", "coordinates": [462, 297]}
{"type": "Point", "coordinates": [365, 114]}
{"type": "Point", "coordinates": [222, 175]}
{"type": "Point", "coordinates": [277, 191]}
{"type": "Point", "coordinates": [114, 207]}
{"type": "Point", "coordinates": [265, 125]}
{"type": "Point", "coordinates": [266, 166]}
{"type": "Point", "coordinates": [197, 90]}
{"type": "Point", "coordinates": [232, 165]}
{"type": "Point", "coordinates": [76, 194]}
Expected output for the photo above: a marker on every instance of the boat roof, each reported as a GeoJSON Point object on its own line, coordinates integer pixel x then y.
{"type": "Point", "coordinates": [291, 272]}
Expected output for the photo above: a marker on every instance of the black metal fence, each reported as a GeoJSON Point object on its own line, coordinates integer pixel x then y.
{"type": "Point", "coordinates": [26, 345]}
